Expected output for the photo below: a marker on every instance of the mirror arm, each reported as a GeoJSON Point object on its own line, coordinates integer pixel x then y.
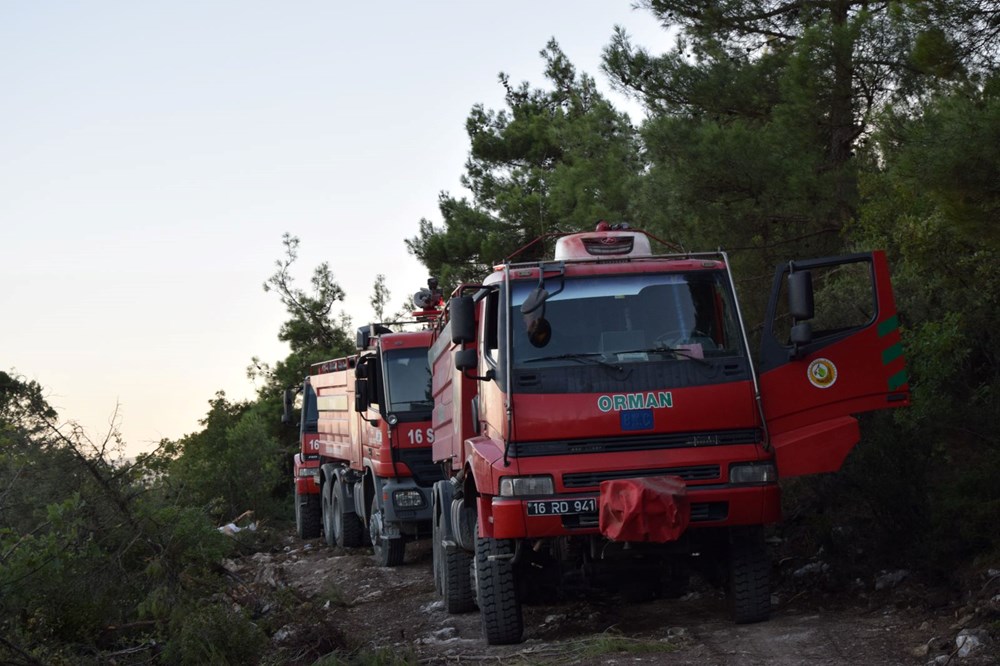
{"type": "Point", "coordinates": [489, 376]}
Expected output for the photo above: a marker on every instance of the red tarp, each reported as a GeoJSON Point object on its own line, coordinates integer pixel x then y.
{"type": "Point", "coordinates": [652, 509]}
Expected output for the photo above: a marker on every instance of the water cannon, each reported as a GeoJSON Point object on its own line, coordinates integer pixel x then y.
{"type": "Point", "coordinates": [429, 298]}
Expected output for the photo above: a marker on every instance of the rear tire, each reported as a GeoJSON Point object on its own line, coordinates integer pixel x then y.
{"type": "Point", "coordinates": [458, 594]}
{"type": "Point", "coordinates": [749, 577]}
{"type": "Point", "coordinates": [347, 527]}
{"type": "Point", "coordinates": [308, 515]}
{"type": "Point", "coordinates": [329, 524]}
{"type": "Point", "coordinates": [497, 591]}
{"type": "Point", "coordinates": [437, 550]}
{"type": "Point", "coordinates": [388, 552]}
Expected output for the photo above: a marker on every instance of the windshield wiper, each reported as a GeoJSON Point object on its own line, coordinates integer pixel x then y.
{"type": "Point", "coordinates": [676, 351]}
{"type": "Point", "coordinates": [581, 357]}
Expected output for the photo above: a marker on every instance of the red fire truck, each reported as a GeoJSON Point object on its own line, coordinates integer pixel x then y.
{"type": "Point", "coordinates": [364, 473]}
{"type": "Point", "coordinates": [600, 416]}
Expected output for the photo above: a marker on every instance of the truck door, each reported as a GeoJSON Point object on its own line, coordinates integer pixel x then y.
{"type": "Point", "coordinates": [851, 361]}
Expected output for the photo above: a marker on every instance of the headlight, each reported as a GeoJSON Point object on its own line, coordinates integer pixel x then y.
{"type": "Point", "coordinates": [408, 499]}
{"type": "Point", "coordinates": [513, 486]}
{"type": "Point", "coordinates": [753, 473]}
{"type": "Point", "coordinates": [309, 471]}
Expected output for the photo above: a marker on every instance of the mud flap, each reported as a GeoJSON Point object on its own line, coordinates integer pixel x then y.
{"type": "Point", "coordinates": [652, 509]}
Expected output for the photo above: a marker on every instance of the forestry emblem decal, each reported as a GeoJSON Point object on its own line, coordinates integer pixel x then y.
{"type": "Point", "coordinates": [822, 373]}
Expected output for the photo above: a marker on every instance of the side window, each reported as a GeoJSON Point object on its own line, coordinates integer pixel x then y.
{"type": "Point", "coordinates": [491, 325]}
{"type": "Point", "coordinates": [844, 299]}
{"type": "Point", "coordinates": [375, 388]}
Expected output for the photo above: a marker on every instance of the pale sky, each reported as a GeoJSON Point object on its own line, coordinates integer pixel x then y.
{"type": "Point", "coordinates": [153, 153]}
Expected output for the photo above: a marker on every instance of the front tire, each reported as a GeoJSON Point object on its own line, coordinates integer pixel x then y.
{"type": "Point", "coordinates": [308, 515]}
{"type": "Point", "coordinates": [749, 577]}
{"type": "Point", "coordinates": [388, 552]}
{"type": "Point", "coordinates": [496, 589]}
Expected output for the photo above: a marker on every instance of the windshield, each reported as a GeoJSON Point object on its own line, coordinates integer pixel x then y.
{"type": "Point", "coordinates": [408, 380]}
{"type": "Point", "coordinates": [627, 318]}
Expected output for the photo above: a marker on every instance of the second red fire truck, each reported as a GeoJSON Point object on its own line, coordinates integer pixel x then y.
{"type": "Point", "coordinates": [364, 472]}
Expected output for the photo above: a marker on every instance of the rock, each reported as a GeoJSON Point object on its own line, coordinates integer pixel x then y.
{"type": "Point", "coordinates": [811, 569]}
{"type": "Point", "coordinates": [967, 642]}
{"type": "Point", "coordinates": [444, 633]}
{"type": "Point", "coordinates": [433, 606]}
{"type": "Point", "coordinates": [553, 619]}
{"type": "Point", "coordinates": [268, 575]}
{"type": "Point", "coordinates": [284, 634]}
{"type": "Point", "coordinates": [920, 650]}
{"type": "Point", "coordinates": [891, 579]}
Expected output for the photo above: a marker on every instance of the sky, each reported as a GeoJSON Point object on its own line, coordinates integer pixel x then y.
{"type": "Point", "coordinates": [153, 153]}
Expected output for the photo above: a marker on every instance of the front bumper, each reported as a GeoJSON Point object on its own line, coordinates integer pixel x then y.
{"type": "Point", "coordinates": [716, 506]}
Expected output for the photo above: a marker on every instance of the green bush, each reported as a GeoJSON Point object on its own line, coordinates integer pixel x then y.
{"type": "Point", "coordinates": [211, 633]}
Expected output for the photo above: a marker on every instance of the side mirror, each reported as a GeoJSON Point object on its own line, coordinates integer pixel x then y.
{"type": "Point", "coordinates": [366, 333]}
{"type": "Point", "coordinates": [800, 295]}
{"type": "Point", "coordinates": [802, 333]}
{"type": "Point", "coordinates": [535, 300]}
{"type": "Point", "coordinates": [361, 395]}
{"type": "Point", "coordinates": [288, 407]}
{"type": "Point", "coordinates": [538, 328]}
{"type": "Point", "coordinates": [462, 319]}
{"type": "Point", "coordinates": [466, 359]}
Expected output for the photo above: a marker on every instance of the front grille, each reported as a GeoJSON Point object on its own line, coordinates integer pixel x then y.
{"type": "Point", "coordinates": [591, 479]}
{"type": "Point", "coordinates": [425, 471]}
{"type": "Point", "coordinates": [619, 443]}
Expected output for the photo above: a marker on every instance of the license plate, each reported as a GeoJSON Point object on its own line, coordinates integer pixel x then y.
{"type": "Point", "coordinates": [562, 507]}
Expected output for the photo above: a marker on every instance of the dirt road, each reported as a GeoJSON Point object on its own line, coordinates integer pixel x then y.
{"type": "Point", "coordinates": [397, 613]}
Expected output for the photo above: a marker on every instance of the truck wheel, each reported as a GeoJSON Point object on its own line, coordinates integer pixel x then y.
{"type": "Point", "coordinates": [437, 549]}
{"type": "Point", "coordinates": [347, 525]}
{"type": "Point", "coordinates": [329, 534]}
{"type": "Point", "coordinates": [388, 552]}
{"type": "Point", "coordinates": [307, 515]}
{"type": "Point", "coordinates": [749, 577]}
{"type": "Point", "coordinates": [457, 583]}
{"type": "Point", "coordinates": [496, 589]}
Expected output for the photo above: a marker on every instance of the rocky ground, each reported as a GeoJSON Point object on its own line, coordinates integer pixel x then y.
{"type": "Point", "coordinates": [323, 599]}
